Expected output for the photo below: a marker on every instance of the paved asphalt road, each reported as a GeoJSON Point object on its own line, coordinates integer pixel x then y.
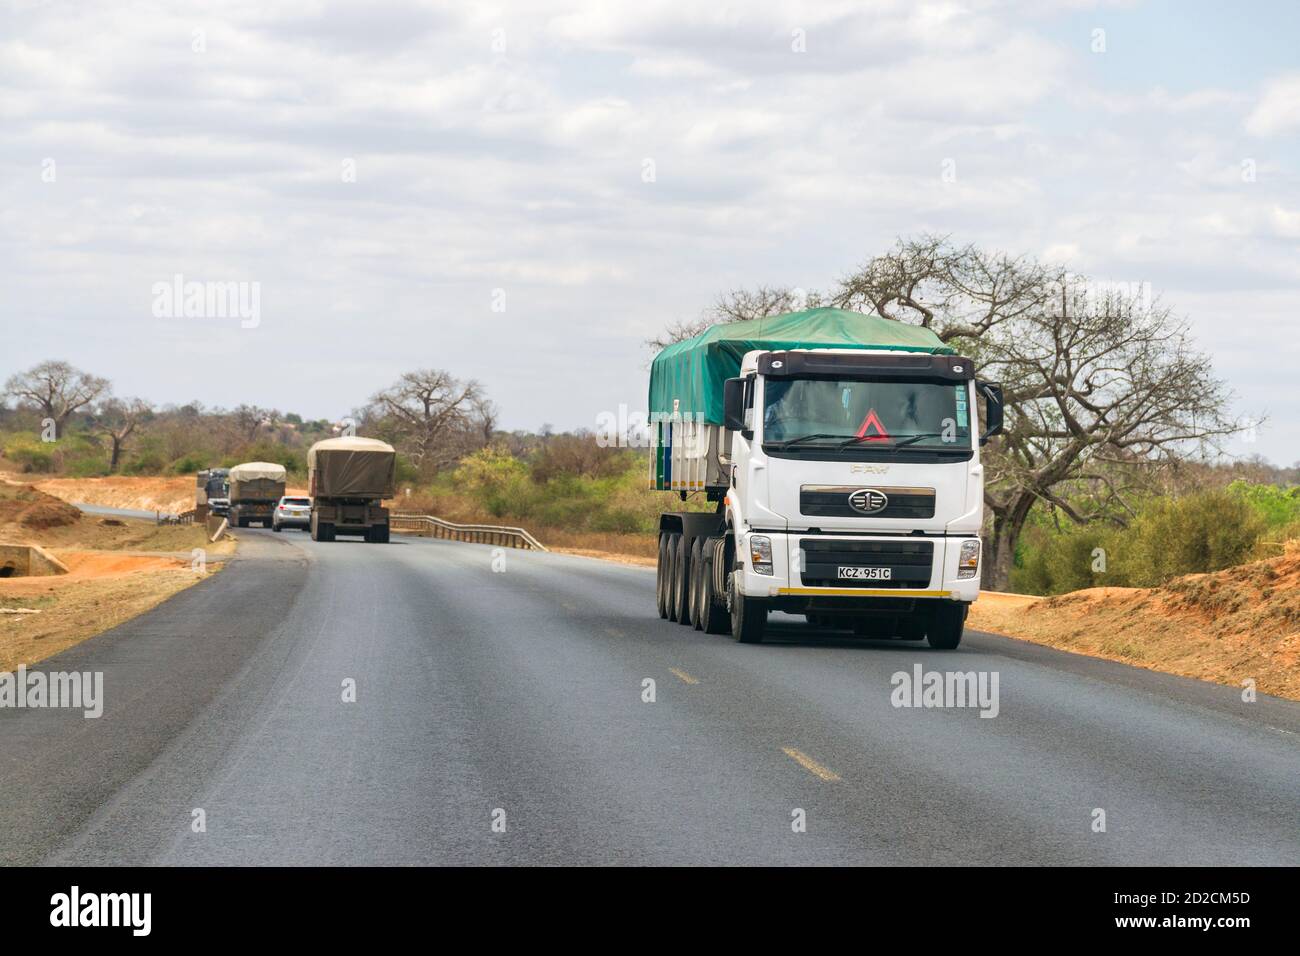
{"type": "Point", "coordinates": [522, 690]}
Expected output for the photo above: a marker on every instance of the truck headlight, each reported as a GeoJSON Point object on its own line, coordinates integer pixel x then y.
{"type": "Point", "coordinates": [760, 553]}
{"type": "Point", "coordinates": [968, 562]}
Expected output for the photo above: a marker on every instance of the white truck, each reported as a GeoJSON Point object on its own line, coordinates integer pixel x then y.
{"type": "Point", "coordinates": [843, 454]}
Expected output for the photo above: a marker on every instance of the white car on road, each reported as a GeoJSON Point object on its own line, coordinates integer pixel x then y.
{"type": "Point", "coordinates": [292, 513]}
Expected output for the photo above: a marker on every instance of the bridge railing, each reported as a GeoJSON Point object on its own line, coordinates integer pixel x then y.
{"type": "Point", "coordinates": [476, 533]}
{"type": "Point", "coordinates": [185, 517]}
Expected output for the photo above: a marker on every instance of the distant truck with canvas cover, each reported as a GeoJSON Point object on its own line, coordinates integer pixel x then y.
{"type": "Point", "coordinates": [348, 480]}
{"type": "Point", "coordinates": [843, 453]}
{"type": "Point", "coordinates": [255, 487]}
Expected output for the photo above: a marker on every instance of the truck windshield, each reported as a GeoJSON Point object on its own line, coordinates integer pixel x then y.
{"type": "Point", "coordinates": [217, 488]}
{"type": "Point", "coordinates": [888, 414]}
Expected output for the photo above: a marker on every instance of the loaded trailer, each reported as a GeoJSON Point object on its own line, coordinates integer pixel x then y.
{"type": "Point", "coordinates": [349, 478]}
{"type": "Point", "coordinates": [842, 452]}
{"type": "Point", "coordinates": [255, 488]}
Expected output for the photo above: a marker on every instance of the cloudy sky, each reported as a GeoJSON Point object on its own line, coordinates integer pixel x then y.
{"type": "Point", "coordinates": [465, 186]}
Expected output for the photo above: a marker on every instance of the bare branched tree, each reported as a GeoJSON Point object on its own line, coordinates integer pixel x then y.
{"type": "Point", "coordinates": [57, 390]}
{"type": "Point", "coordinates": [433, 417]}
{"type": "Point", "coordinates": [117, 419]}
{"type": "Point", "coordinates": [249, 420]}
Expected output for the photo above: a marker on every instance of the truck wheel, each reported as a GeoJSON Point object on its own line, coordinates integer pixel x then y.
{"type": "Point", "coordinates": [696, 582]}
{"type": "Point", "coordinates": [661, 578]}
{"type": "Point", "coordinates": [384, 534]}
{"type": "Point", "coordinates": [944, 633]}
{"type": "Point", "coordinates": [276, 528]}
{"type": "Point", "coordinates": [682, 583]}
{"type": "Point", "coordinates": [713, 613]}
{"type": "Point", "coordinates": [748, 616]}
{"type": "Point", "coordinates": [670, 586]}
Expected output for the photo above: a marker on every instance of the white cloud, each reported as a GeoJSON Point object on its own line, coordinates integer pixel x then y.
{"type": "Point", "coordinates": [1278, 109]}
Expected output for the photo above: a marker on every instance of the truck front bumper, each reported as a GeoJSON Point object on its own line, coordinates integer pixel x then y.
{"type": "Point", "coordinates": [807, 566]}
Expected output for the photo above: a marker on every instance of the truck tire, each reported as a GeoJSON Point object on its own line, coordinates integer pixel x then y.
{"type": "Point", "coordinates": [670, 586]}
{"type": "Point", "coordinates": [322, 531]}
{"type": "Point", "coordinates": [713, 613]}
{"type": "Point", "coordinates": [682, 583]}
{"type": "Point", "coordinates": [696, 582]}
{"type": "Point", "coordinates": [944, 633]}
{"type": "Point", "coordinates": [661, 577]}
{"type": "Point", "coordinates": [748, 616]}
{"type": "Point", "coordinates": [276, 528]}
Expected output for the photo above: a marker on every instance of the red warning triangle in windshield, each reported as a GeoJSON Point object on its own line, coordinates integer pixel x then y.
{"type": "Point", "coordinates": [870, 422]}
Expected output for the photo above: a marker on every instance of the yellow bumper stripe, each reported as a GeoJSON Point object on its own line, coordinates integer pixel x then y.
{"type": "Point", "coordinates": [866, 592]}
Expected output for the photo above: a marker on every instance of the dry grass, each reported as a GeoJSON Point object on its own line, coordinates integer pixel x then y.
{"type": "Point", "coordinates": [1227, 627]}
{"type": "Point", "coordinates": [170, 495]}
{"type": "Point", "coordinates": [76, 607]}
{"type": "Point", "coordinates": [118, 568]}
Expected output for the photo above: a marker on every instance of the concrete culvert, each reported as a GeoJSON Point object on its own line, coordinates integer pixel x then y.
{"type": "Point", "coordinates": [20, 560]}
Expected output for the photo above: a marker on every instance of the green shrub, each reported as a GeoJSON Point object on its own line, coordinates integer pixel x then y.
{"type": "Point", "coordinates": [1207, 531]}
{"type": "Point", "coordinates": [90, 466]}
{"type": "Point", "coordinates": [189, 464]}
{"type": "Point", "coordinates": [498, 482]}
{"type": "Point", "coordinates": [1276, 505]}
{"type": "Point", "coordinates": [1169, 537]}
{"type": "Point", "coordinates": [145, 463]}
{"type": "Point", "coordinates": [1051, 561]}
{"type": "Point", "coordinates": [30, 454]}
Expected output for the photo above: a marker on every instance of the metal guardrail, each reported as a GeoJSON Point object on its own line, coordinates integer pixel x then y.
{"type": "Point", "coordinates": [475, 533]}
{"type": "Point", "coordinates": [185, 517]}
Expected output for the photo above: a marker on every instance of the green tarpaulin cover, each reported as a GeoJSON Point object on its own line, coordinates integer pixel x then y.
{"type": "Point", "coordinates": [693, 371]}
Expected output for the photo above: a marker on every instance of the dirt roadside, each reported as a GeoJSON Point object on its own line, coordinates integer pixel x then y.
{"type": "Point", "coordinates": [1233, 626]}
{"type": "Point", "coordinates": [117, 569]}
{"type": "Point", "coordinates": [170, 495]}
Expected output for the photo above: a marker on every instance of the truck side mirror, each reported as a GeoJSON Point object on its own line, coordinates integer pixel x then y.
{"type": "Point", "coordinates": [992, 393]}
{"type": "Point", "coordinates": [733, 404]}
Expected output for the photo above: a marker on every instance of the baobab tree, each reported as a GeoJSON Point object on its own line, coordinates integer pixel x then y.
{"type": "Point", "coordinates": [434, 418]}
{"type": "Point", "coordinates": [56, 390]}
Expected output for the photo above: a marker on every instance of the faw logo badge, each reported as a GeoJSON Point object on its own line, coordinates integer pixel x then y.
{"type": "Point", "coordinates": [868, 501]}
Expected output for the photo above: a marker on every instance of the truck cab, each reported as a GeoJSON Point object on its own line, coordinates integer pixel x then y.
{"type": "Point", "coordinates": [849, 489]}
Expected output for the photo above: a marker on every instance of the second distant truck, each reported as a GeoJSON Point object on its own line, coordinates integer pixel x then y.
{"type": "Point", "coordinates": [255, 487]}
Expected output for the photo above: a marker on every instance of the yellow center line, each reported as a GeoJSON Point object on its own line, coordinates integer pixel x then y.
{"type": "Point", "coordinates": [812, 766]}
{"type": "Point", "coordinates": [684, 676]}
